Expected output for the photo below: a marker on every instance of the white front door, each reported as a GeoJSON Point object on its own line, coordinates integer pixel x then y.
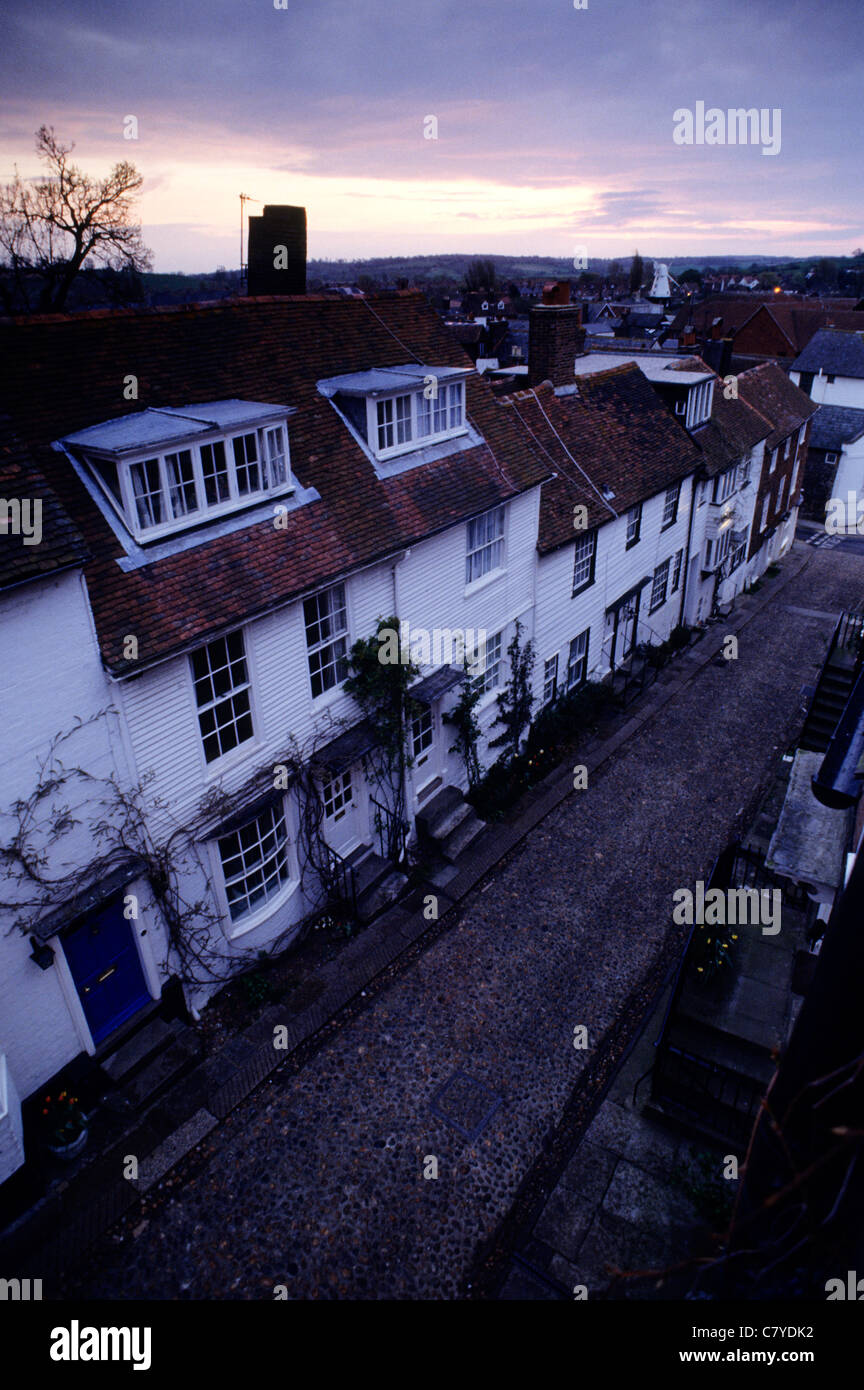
{"type": "Point", "coordinates": [425, 744]}
{"type": "Point", "coordinates": [343, 797]}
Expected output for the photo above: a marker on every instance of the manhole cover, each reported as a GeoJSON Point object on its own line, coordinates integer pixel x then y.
{"type": "Point", "coordinates": [465, 1104]}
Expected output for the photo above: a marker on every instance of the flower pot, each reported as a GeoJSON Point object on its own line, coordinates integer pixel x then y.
{"type": "Point", "coordinates": [66, 1152]}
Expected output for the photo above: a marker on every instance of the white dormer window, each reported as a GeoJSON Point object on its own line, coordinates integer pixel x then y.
{"type": "Point", "coordinates": [163, 470]}
{"type": "Point", "coordinates": [699, 401]}
{"type": "Point", "coordinates": [398, 409]}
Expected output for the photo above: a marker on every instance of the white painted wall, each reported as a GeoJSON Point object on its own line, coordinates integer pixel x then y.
{"type": "Point", "coordinates": [850, 472]}
{"type": "Point", "coordinates": [425, 587]}
{"type": "Point", "coordinates": [560, 616]}
{"type": "Point", "coordinates": [50, 675]}
{"type": "Point", "coordinates": [843, 390]}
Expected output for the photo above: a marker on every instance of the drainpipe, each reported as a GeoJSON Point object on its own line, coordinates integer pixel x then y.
{"type": "Point", "coordinates": [399, 560]}
{"type": "Point", "coordinates": [687, 549]}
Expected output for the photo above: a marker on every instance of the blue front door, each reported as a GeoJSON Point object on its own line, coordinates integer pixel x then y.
{"type": "Point", "coordinates": [103, 958]}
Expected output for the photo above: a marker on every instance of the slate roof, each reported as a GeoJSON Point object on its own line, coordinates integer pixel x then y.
{"type": "Point", "coordinates": [833, 351]}
{"type": "Point", "coordinates": [618, 431]}
{"type": "Point", "coordinates": [61, 373]}
{"type": "Point", "coordinates": [61, 544]}
{"type": "Point", "coordinates": [835, 425]}
{"type": "Point", "coordinates": [768, 389]}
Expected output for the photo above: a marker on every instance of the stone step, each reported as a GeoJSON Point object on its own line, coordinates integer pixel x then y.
{"type": "Point", "coordinates": [369, 872]}
{"type": "Point", "coordinates": [447, 809]}
{"type": "Point", "coordinates": [167, 1067]}
{"type": "Point", "coordinates": [461, 836]}
{"type": "Point", "coordinates": [381, 894]}
{"type": "Point", "coordinates": [137, 1049]}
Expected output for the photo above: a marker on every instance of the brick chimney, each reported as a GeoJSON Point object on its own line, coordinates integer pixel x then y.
{"type": "Point", "coordinates": [277, 251]}
{"type": "Point", "coordinates": [556, 292]}
{"type": "Point", "coordinates": [555, 339]}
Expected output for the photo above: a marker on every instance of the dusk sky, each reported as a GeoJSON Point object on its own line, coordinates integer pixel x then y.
{"type": "Point", "coordinates": [554, 124]}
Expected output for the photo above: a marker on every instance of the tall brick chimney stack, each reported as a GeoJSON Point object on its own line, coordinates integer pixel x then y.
{"type": "Point", "coordinates": [277, 251]}
{"type": "Point", "coordinates": [555, 339]}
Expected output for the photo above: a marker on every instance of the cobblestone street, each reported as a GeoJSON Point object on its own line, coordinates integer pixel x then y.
{"type": "Point", "coordinates": [317, 1181]}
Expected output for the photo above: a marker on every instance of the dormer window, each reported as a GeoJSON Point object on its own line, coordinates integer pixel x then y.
{"type": "Point", "coordinates": [398, 409]}
{"type": "Point", "coordinates": [164, 470]}
{"type": "Point", "coordinates": [699, 401]}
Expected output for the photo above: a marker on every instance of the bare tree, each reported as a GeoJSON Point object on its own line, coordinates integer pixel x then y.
{"type": "Point", "coordinates": [49, 227]}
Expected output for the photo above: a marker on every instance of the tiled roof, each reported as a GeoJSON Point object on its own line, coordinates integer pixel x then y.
{"type": "Point", "coordinates": [833, 351]}
{"type": "Point", "coordinates": [797, 321]}
{"type": "Point", "coordinates": [768, 389]}
{"type": "Point", "coordinates": [618, 432]}
{"type": "Point", "coordinates": [62, 373]}
{"type": "Point", "coordinates": [834, 425]}
{"type": "Point", "coordinates": [60, 545]}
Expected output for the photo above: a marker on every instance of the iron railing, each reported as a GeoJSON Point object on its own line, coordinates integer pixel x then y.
{"type": "Point", "coordinates": [391, 830]}
{"type": "Point", "coordinates": [342, 883]}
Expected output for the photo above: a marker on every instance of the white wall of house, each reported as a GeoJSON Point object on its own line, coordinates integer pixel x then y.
{"type": "Point", "coordinates": [50, 675]}
{"type": "Point", "coordinates": [709, 519]}
{"type": "Point", "coordinates": [843, 390]}
{"type": "Point", "coordinates": [425, 587]}
{"type": "Point", "coordinates": [562, 616]}
{"type": "Point", "coordinates": [850, 472]}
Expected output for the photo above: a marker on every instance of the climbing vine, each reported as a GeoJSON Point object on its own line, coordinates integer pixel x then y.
{"type": "Point", "coordinates": [381, 672]}
{"type": "Point", "coordinates": [516, 699]}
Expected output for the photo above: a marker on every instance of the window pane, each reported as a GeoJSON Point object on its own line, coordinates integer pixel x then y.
{"type": "Point", "coordinates": [276, 469]}
{"type": "Point", "coordinates": [385, 425]}
{"type": "Point", "coordinates": [326, 620]}
{"type": "Point", "coordinates": [147, 491]}
{"type": "Point", "coordinates": [583, 564]}
{"type": "Point", "coordinates": [221, 684]}
{"type": "Point", "coordinates": [215, 470]}
{"type": "Point", "coordinates": [246, 464]}
{"type": "Point", "coordinates": [181, 483]}
{"type": "Point", "coordinates": [255, 861]}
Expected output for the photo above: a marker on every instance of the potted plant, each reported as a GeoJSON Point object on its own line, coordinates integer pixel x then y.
{"type": "Point", "coordinates": [65, 1125]}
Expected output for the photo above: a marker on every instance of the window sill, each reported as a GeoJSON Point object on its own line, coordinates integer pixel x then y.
{"type": "Point", "coordinates": [581, 589]}
{"type": "Point", "coordinates": [667, 525]}
{"type": "Point", "coordinates": [262, 914]}
{"type": "Point", "coordinates": [630, 544]}
{"type": "Point", "coordinates": [231, 759]}
{"type": "Point", "coordinates": [477, 584]}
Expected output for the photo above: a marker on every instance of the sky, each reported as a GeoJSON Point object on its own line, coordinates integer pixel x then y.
{"type": "Point", "coordinates": [555, 125]}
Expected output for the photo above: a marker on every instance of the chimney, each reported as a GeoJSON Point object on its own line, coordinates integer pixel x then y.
{"type": "Point", "coordinates": [277, 251]}
{"type": "Point", "coordinates": [556, 292]}
{"type": "Point", "coordinates": [555, 339]}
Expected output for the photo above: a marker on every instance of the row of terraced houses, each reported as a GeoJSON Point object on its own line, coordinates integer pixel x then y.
{"type": "Point", "coordinates": [230, 495]}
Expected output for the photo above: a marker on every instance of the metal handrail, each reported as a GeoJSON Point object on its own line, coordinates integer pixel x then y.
{"type": "Point", "coordinates": [342, 883]}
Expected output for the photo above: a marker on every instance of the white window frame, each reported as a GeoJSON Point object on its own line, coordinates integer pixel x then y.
{"type": "Point", "coordinates": [342, 634]}
{"type": "Point", "coordinates": [287, 877]}
{"type": "Point", "coordinates": [421, 425]}
{"type": "Point", "coordinates": [589, 540]}
{"type": "Point", "coordinates": [661, 574]}
{"type": "Point", "coordinates": [234, 693]}
{"type": "Point", "coordinates": [489, 678]}
{"type": "Point", "coordinates": [725, 484]}
{"type": "Point", "coordinates": [204, 510]}
{"type": "Point", "coordinates": [422, 724]}
{"type": "Point", "coordinates": [677, 564]}
{"type": "Point", "coordinates": [550, 679]}
{"type": "Point", "coordinates": [634, 526]}
{"type": "Point", "coordinates": [491, 527]}
{"type": "Point", "coordinates": [577, 659]}
{"type": "Point", "coordinates": [671, 493]}
{"type": "Point", "coordinates": [338, 795]}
